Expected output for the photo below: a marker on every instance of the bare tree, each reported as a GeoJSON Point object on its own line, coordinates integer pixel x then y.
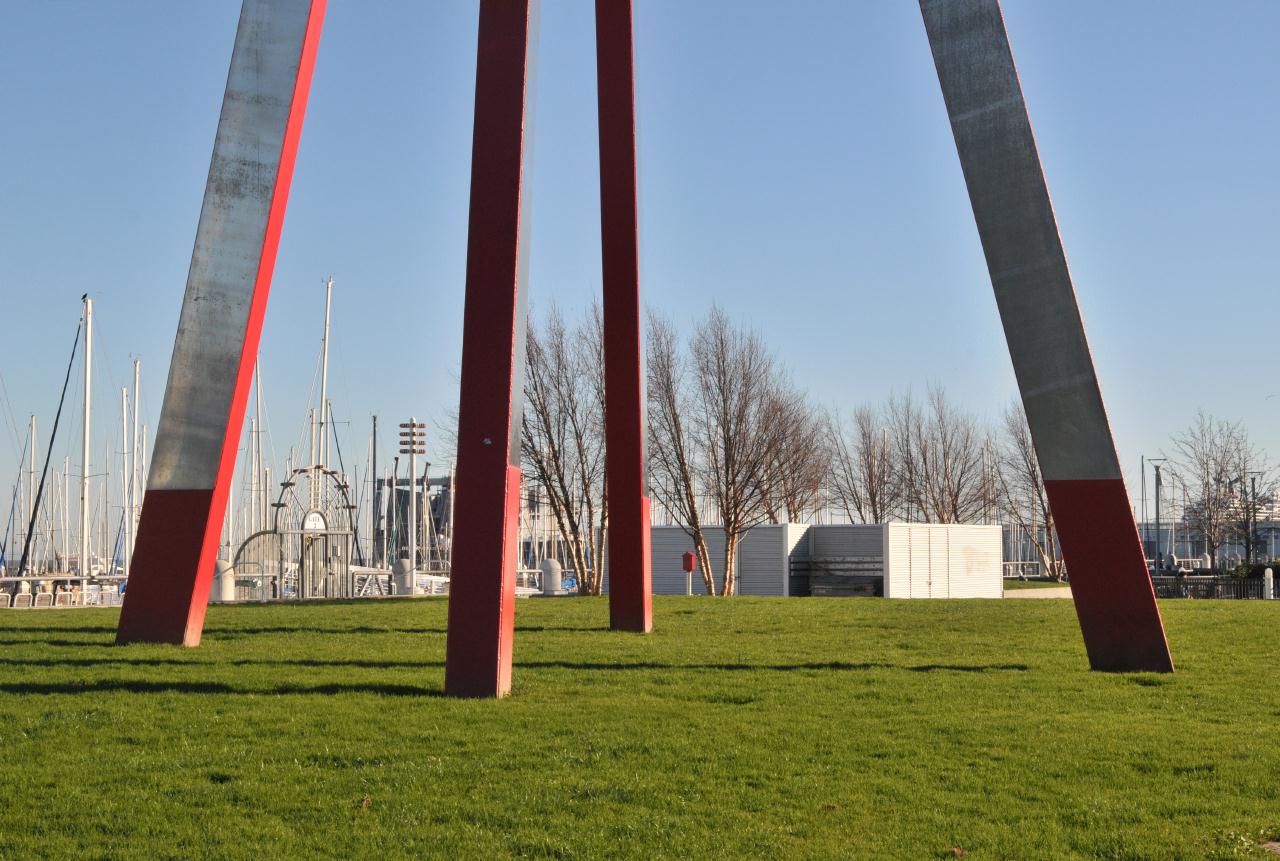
{"type": "Point", "coordinates": [1207, 458]}
{"type": "Point", "coordinates": [863, 480]}
{"type": "Point", "coordinates": [942, 460]}
{"type": "Point", "coordinates": [736, 426]}
{"type": "Point", "coordinates": [671, 453]}
{"type": "Point", "coordinates": [800, 460]}
{"type": "Point", "coordinates": [1254, 487]}
{"type": "Point", "coordinates": [562, 439]}
{"type": "Point", "coordinates": [1206, 464]}
{"type": "Point", "coordinates": [1021, 493]}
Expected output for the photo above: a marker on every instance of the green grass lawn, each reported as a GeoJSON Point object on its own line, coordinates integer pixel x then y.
{"type": "Point", "coordinates": [1034, 584]}
{"type": "Point", "coordinates": [742, 728]}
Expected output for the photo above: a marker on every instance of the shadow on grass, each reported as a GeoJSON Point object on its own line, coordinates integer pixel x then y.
{"type": "Point", "coordinates": [362, 630]}
{"type": "Point", "coordinates": [231, 633]}
{"type": "Point", "coordinates": [124, 659]}
{"type": "Point", "coordinates": [58, 629]}
{"type": "Point", "coordinates": [139, 686]}
{"type": "Point", "coordinates": [585, 666]}
{"type": "Point", "coordinates": [809, 665]}
{"type": "Point", "coordinates": [59, 643]}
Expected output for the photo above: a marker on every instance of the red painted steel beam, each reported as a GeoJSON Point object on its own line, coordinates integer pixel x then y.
{"type": "Point", "coordinates": [221, 321]}
{"type": "Point", "coordinates": [487, 505]}
{"type": "Point", "coordinates": [1114, 598]}
{"type": "Point", "coordinates": [630, 602]}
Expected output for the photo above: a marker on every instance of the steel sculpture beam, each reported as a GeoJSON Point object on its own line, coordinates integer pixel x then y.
{"type": "Point", "coordinates": [1113, 595]}
{"type": "Point", "coordinates": [487, 504]}
{"type": "Point", "coordinates": [221, 320]}
{"type": "Point", "coordinates": [630, 603]}
{"type": "Point", "coordinates": [485, 550]}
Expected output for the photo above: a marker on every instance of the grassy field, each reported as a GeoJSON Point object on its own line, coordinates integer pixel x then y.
{"type": "Point", "coordinates": [742, 728]}
{"type": "Point", "coordinates": [1010, 584]}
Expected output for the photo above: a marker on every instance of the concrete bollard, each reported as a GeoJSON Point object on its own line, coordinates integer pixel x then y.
{"type": "Point", "coordinates": [552, 574]}
{"type": "Point", "coordinates": [1268, 584]}
{"type": "Point", "coordinates": [403, 575]}
{"type": "Point", "coordinates": [224, 582]}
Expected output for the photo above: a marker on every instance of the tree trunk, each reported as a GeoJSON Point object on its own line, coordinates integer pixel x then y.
{"type": "Point", "coordinates": [704, 561]}
{"type": "Point", "coordinates": [731, 539]}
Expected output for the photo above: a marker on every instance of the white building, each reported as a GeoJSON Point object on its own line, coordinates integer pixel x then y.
{"type": "Point", "coordinates": [897, 560]}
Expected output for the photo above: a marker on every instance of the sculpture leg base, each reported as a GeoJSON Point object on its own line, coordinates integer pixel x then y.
{"type": "Point", "coordinates": [172, 570]}
{"type": "Point", "coordinates": [1110, 585]}
{"type": "Point", "coordinates": [482, 611]}
{"type": "Point", "coordinates": [630, 601]}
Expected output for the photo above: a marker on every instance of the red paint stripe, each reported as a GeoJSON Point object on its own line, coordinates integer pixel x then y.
{"type": "Point", "coordinates": [1113, 595]}
{"type": "Point", "coordinates": [168, 588]}
{"type": "Point", "coordinates": [630, 605]}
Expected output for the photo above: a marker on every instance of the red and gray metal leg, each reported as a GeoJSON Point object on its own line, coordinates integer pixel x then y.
{"type": "Point", "coordinates": [487, 503]}
{"type": "Point", "coordinates": [230, 277]}
{"type": "Point", "coordinates": [1113, 595]}
{"type": "Point", "coordinates": [221, 320]}
{"type": "Point", "coordinates": [482, 582]}
{"type": "Point", "coordinates": [630, 605]}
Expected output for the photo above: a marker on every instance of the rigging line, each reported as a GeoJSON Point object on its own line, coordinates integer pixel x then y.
{"type": "Point", "coordinates": [13, 504]}
{"type": "Point", "coordinates": [266, 420]}
{"type": "Point", "coordinates": [53, 436]}
{"type": "Point", "coordinates": [303, 440]}
{"type": "Point", "coordinates": [9, 414]}
{"type": "Point", "coordinates": [116, 549]}
{"type": "Point", "coordinates": [103, 356]}
{"type": "Point", "coordinates": [353, 520]}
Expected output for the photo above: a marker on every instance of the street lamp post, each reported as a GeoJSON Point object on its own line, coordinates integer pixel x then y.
{"type": "Point", "coordinates": [413, 443]}
{"type": "Point", "coordinates": [1156, 462]}
{"type": "Point", "coordinates": [1253, 513]}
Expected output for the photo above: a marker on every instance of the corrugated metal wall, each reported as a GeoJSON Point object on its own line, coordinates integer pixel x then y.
{"type": "Point", "coordinates": [943, 561]}
{"type": "Point", "coordinates": [668, 546]}
{"type": "Point", "coordinates": [860, 540]}
{"type": "Point", "coordinates": [764, 557]}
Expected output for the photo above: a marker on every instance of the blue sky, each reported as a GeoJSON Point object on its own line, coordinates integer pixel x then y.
{"type": "Point", "coordinates": [795, 166]}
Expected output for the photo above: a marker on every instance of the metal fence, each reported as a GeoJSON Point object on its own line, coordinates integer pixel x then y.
{"type": "Point", "coordinates": [1209, 587]}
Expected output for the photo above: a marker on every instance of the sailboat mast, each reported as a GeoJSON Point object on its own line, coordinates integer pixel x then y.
{"type": "Point", "coordinates": [259, 474]}
{"type": "Point", "coordinates": [313, 484]}
{"type": "Point", "coordinates": [124, 473]}
{"type": "Point", "coordinates": [134, 473]}
{"type": "Point", "coordinates": [108, 549]}
{"type": "Point", "coordinates": [84, 440]}
{"type": "Point", "coordinates": [66, 519]}
{"type": "Point", "coordinates": [324, 375]}
{"type": "Point", "coordinates": [31, 475]}
{"type": "Point", "coordinates": [253, 478]}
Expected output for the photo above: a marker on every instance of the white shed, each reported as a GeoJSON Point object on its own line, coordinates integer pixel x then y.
{"type": "Point", "coordinates": [907, 560]}
{"type": "Point", "coordinates": [927, 560]}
